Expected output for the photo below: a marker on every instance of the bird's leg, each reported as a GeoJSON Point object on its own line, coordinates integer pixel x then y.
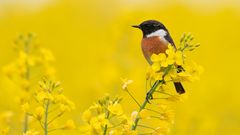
{"type": "Point", "coordinates": [149, 96]}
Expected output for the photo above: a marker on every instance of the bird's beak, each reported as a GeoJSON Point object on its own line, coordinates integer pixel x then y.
{"type": "Point", "coordinates": [136, 26]}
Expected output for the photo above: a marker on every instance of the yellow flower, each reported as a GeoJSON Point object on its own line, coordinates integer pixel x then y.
{"type": "Point", "coordinates": [99, 121]}
{"type": "Point", "coordinates": [156, 67]}
{"type": "Point", "coordinates": [178, 58]}
{"type": "Point", "coordinates": [127, 130]}
{"type": "Point", "coordinates": [168, 115]}
{"type": "Point", "coordinates": [41, 95]}
{"type": "Point", "coordinates": [65, 103]}
{"type": "Point", "coordinates": [64, 108]}
{"type": "Point", "coordinates": [134, 115]}
{"type": "Point", "coordinates": [159, 61]}
{"type": "Point", "coordinates": [161, 130]}
{"type": "Point", "coordinates": [193, 70]}
{"type": "Point", "coordinates": [115, 108]}
{"type": "Point", "coordinates": [126, 82]}
{"type": "Point", "coordinates": [158, 58]}
{"type": "Point", "coordinates": [86, 116]}
{"type": "Point", "coordinates": [149, 73]}
{"type": "Point", "coordinates": [158, 76]}
{"type": "Point", "coordinates": [170, 51]}
{"type": "Point", "coordinates": [39, 112]}
{"type": "Point", "coordinates": [31, 132]}
{"type": "Point", "coordinates": [69, 125]}
{"type": "Point", "coordinates": [114, 132]}
{"type": "Point", "coordinates": [125, 120]}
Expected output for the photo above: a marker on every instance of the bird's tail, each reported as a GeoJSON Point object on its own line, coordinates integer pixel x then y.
{"type": "Point", "coordinates": [179, 88]}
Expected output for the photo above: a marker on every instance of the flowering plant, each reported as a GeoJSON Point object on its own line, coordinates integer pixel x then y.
{"type": "Point", "coordinates": [107, 117]}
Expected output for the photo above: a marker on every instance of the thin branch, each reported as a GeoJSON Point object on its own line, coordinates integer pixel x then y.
{"type": "Point", "coordinates": [57, 116]}
{"type": "Point", "coordinates": [144, 126]}
{"type": "Point", "coordinates": [153, 111]}
{"type": "Point", "coordinates": [55, 129]}
{"type": "Point", "coordinates": [133, 98]}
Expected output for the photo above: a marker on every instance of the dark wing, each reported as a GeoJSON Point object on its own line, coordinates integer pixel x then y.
{"type": "Point", "coordinates": [170, 40]}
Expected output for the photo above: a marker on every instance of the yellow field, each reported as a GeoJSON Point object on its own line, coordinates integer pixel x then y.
{"type": "Point", "coordinates": [94, 46]}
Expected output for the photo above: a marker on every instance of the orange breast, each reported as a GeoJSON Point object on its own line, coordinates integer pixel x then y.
{"type": "Point", "coordinates": [153, 45]}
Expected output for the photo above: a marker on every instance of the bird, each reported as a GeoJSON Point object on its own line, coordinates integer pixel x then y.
{"type": "Point", "coordinates": [155, 40]}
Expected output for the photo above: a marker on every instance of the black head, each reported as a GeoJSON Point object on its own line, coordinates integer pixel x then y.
{"type": "Point", "coordinates": [150, 26]}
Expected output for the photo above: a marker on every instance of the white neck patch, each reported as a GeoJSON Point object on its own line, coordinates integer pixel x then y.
{"type": "Point", "coordinates": [160, 33]}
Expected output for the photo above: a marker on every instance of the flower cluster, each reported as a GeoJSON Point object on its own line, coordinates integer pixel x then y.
{"type": "Point", "coordinates": [30, 57]}
{"type": "Point", "coordinates": [50, 105]}
{"type": "Point", "coordinates": [106, 117]}
{"type": "Point", "coordinates": [171, 66]}
{"type": "Point", "coordinates": [174, 65]}
{"type": "Point", "coordinates": [32, 61]}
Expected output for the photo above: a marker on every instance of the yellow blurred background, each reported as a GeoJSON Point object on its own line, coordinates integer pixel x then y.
{"type": "Point", "coordinates": [95, 46]}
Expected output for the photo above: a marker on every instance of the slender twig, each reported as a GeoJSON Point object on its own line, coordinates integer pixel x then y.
{"type": "Point", "coordinates": [54, 118]}
{"type": "Point", "coordinates": [41, 124]}
{"type": "Point", "coordinates": [144, 126]}
{"type": "Point", "coordinates": [133, 97]}
{"type": "Point", "coordinates": [164, 93]}
{"type": "Point", "coordinates": [27, 77]}
{"type": "Point", "coordinates": [106, 126]}
{"type": "Point", "coordinates": [153, 111]}
{"type": "Point", "coordinates": [156, 84]}
{"type": "Point", "coordinates": [115, 126]}
{"type": "Point", "coordinates": [51, 130]}
{"type": "Point", "coordinates": [46, 117]}
{"type": "Point", "coordinates": [157, 117]}
{"type": "Point", "coordinates": [150, 93]}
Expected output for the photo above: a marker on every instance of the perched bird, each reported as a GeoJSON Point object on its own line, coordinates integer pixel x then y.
{"type": "Point", "coordinates": [155, 40]}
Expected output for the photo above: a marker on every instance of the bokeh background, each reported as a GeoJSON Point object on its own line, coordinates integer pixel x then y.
{"type": "Point", "coordinates": [95, 46]}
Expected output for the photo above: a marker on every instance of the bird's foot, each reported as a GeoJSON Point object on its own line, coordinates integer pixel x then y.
{"type": "Point", "coordinates": [149, 97]}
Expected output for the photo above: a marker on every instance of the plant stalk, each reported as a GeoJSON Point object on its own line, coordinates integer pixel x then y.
{"type": "Point", "coordinates": [151, 91]}
{"type": "Point", "coordinates": [46, 118]}
{"type": "Point", "coordinates": [27, 77]}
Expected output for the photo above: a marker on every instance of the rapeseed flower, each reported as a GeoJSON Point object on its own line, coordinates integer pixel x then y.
{"type": "Point", "coordinates": [115, 109]}
{"type": "Point", "coordinates": [69, 125]}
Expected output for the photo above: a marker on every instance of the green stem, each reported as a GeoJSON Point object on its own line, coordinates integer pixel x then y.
{"type": "Point", "coordinates": [146, 127]}
{"type": "Point", "coordinates": [133, 98]}
{"type": "Point", "coordinates": [25, 124]}
{"type": "Point", "coordinates": [106, 127]}
{"type": "Point", "coordinates": [46, 118]}
{"type": "Point", "coordinates": [57, 116]}
{"type": "Point", "coordinates": [151, 91]}
{"type": "Point", "coordinates": [27, 77]}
